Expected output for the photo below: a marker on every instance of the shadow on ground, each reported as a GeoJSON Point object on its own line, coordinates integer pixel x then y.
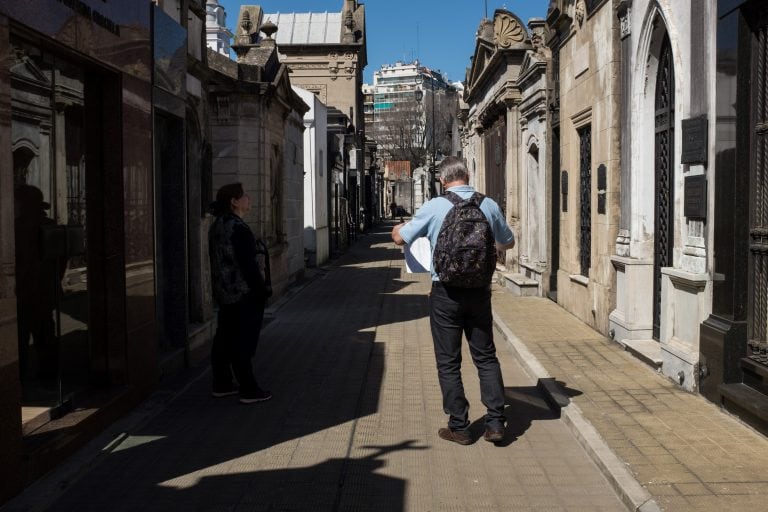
{"type": "Point", "coordinates": [319, 357]}
{"type": "Point", "coordinates": [524, 405]}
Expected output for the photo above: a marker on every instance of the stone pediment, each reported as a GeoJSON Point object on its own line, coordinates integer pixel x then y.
{"type": "Point", "coordinates": [25, 69]}
{"type": "Point", "coordinates": [282, 85]}
{"type": "Point", "coordinates": [529, 61]}
{"type": "Point", "coordinates": [505, 33]}
{"type": "Point", "coordinates": [483, 53]}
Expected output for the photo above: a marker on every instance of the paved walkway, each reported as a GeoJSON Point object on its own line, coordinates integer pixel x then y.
{"type": "Point", "coordinates": [353, 423]}
{"type": "Point", "coordinates": [686, 453]}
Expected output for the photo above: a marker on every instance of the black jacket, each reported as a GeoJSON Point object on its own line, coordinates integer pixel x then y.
{"type": "Point", "coordinates": [235, 269]}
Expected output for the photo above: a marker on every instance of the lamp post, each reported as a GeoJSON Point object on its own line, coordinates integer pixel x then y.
{"type": "Point", "coordinates": [432, 167]}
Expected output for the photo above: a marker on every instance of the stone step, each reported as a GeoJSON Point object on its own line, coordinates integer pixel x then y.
{"type": "Point", "coordinates": [648, 351]}
{"type": "Point", "coordinates": [520, 285]}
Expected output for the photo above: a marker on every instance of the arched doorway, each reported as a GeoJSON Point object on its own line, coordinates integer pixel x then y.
{"type": "Point", "coordinates": [534, 205]}
{"type": "Point", "coordinates": [663, 239]}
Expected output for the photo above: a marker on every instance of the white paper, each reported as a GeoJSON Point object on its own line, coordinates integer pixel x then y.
{"type": "Point", "coordinates": [418, 256]}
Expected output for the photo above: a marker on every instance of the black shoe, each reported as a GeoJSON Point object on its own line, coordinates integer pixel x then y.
{"type": "Point", "coordinates": [219, 392]}
{"type": "Point", "coordinates": [260, 395]}
{"type": "Point", "coordinates": [457, 436]}
{"type": "Point", "coordinates": [494, 435]}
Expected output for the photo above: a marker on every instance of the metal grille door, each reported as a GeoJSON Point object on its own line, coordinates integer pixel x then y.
{"type": "Point", "coordinates": [585, 195]}
{"type": "Point", "coordinates": [495, 167]}
{"type": "Point", "coordinates": [664, 175]}
{"type": "Point", "coordinates": [758, 205]}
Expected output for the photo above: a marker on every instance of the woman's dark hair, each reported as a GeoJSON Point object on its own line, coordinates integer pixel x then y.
{"type": "Point", "coordinates": [223, 203]}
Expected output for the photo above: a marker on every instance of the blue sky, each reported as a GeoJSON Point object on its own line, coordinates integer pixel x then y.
{"type": "Point", "coordinates": [446, 28]}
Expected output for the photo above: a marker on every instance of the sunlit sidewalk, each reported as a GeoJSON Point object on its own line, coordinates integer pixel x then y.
{"type": "Point", "coordinates": [685, 453]}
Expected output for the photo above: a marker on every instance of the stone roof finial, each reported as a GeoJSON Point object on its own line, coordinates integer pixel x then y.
{"type": "Point", "coordinates": [268, 28]}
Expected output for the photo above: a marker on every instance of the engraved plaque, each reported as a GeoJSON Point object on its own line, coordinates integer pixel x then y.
{"type": "Point", "coordinates": [601, 203]}
{"type": "Point", "coordinates": [564, 190]}
{"type": "Point", "coordinates": [694, 141]}
{"type": "Point", "coordinates": [602, 182]}
{"type": "Point", "coordinates": [602, 185]}
{"type": "Point", "coordinates": [695, 205]}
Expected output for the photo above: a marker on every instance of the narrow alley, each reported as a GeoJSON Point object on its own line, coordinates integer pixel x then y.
{"type": "Point", "coordinates": [353, 422]}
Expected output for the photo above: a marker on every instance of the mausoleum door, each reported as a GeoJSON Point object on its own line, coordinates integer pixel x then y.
{"type": "Point", "coordinates": [663, 237]}
{"type": "Point", "coordinates": [757, 351]}
{"type": "Point", "coordinates": [495, 166]}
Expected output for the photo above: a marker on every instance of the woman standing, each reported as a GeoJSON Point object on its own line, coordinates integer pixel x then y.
{"type": "Point", "coordinates": [241, 289]}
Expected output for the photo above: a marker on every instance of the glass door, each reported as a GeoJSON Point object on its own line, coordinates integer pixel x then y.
{"type": "Point", "coordinates": [52, 263]}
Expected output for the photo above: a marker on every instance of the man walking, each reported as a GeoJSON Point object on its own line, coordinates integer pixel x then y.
{"type": "Point", "coordinates": [464, 305]}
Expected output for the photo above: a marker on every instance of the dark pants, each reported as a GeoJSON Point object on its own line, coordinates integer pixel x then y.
{"type": "Point", "coordinates": [234, 344]}
{"type": "Point", "coordinates": [457, 311]}
{"type": "Point", "coordinates": [35, 320]}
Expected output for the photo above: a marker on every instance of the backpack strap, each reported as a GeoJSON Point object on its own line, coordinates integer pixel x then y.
{"type": "Point", "coordinates": [453, 197]}
{"type": "Point", "coordinates": [477, 198]}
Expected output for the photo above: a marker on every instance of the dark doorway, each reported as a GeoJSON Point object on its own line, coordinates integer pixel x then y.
{"type": "Point", "coordinates": [495, 149]}
{"type": "Point", "coordinates": [664, 229]}
{"type": "Point", "coordinates": [171, 232]}
{"type": "Point", "coordinates": [555, 215]}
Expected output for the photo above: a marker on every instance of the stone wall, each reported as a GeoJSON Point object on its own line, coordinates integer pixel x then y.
{"type": "Point", "coordinates": [589, 90]}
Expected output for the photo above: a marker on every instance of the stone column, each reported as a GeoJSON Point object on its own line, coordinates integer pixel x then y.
{"type": "Point", "coordinates": [624, 12]}
{"type": "Point", "coordinates": [694, 257]}
{"type": "Point", "coordinates": [514, 194]}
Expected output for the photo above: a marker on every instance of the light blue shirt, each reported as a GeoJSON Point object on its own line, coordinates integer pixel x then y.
{"type": "Point", "coordinates": [429, 219]}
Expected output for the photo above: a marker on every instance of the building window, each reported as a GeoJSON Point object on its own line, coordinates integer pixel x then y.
{"type": "Point", "coordinates": [585, 195]}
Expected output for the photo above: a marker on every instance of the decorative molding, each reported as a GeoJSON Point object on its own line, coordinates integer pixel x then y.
{"type": "Point", "coordinates": [579, 279]}
{"type": "Point", "coordinates": [314, 65]}
{"type": "Point", "coordinates": [622, 242]}
{"type": "Point", "coordinates": [582, 118]}
{"type": "Point", "coordinates": [507, 31]}
{"type": "Point", "coordinates": [321, 90]}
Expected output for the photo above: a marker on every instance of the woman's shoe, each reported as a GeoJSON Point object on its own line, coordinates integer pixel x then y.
{"type": "Point", "coordinates": [260, 395]}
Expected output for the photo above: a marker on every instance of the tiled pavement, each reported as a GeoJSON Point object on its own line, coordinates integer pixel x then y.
{"type": "Point", "coordinates": [352, 426]}
{"type": "Point", "coordinates": [684, 451]}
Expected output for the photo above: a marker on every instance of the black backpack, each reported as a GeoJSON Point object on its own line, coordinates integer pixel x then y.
{"type": "Point", "coordinates": [465, 251]}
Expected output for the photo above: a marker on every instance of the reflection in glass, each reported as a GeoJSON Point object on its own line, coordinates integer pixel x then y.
{"type": "Point", "coordinates": [725, 163]}
{"type": "Point", "coordinates": [48, 144]}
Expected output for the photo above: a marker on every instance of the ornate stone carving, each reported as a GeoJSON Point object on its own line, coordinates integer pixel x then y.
{"type": "Point", "coordinates": [507, 31]}
{"type": "Point", "coordinates": [246, 27]}
{"type": "Point", "coordinates": [319, 90]}
{"type": "Point", "coordinates": [245, 24]}
{"type": "Point", "coordinates": [349, 21]}
{"type": "Point", "coordinates": [580, 12]}
{"type": "Point", "coordinates": [537, 41]}
{"type": "Point", "coordinates": [269, 29]}
{"type": "Point", "coordinates": [624, 12]}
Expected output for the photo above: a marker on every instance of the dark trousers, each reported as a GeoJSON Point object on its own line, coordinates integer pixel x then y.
{"type": "Point", "coordinates": [35, 320]}
{"type": "Point", "coordinates": [457, 311]}
{"type": "Point", "coordinates": [234, 344]}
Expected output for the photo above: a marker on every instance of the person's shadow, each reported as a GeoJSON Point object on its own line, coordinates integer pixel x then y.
{"type": "Point", "coordinates": [38, 284]}
{"type": "Point", "coordinates": [526, 404]}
